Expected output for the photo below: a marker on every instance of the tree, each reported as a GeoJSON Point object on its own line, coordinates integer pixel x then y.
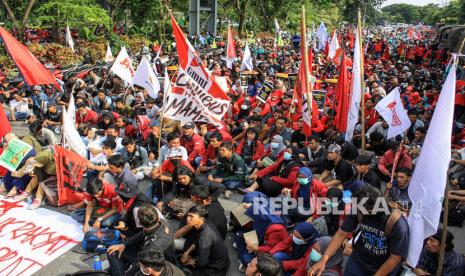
{"type": "Point", "coordinates": [407, 13]}
{"type": "Point", "coordinates": [18, 8]}
{"type": "Point", "coordinates": [369, 10]}
{"type": "Point", "coordinates": [82, 14]}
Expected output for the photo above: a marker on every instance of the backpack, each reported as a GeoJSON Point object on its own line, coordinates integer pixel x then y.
{"type": "Point", "coordinates": [99, 240]}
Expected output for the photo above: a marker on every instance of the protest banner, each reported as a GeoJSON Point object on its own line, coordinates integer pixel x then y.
{"type": "Point", "coordinates": [30, 239]}
{"type": "Point", "coordinates": [70, 169]}
{"type": "Point", "coordinates": [14, 154]}
{"type": "Point", "coordinates": [265, 91]}
{"type": "Point", "coordinates": [244, 82]}
{"type": "Point", "coordinates": [196, 96]}
{"type": "Point", "coordinates": [320, 98]}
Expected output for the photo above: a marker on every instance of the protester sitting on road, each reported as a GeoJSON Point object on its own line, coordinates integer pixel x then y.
{"type": "Point", "coordinates": [454, 263]}
{"type": "Point", "coordinates": [264, 265]}
{"type": "Point", "coordinates": [102, 206]}
{"type": "Point", "coordinates": [208, 255]}
{"type": "Point", "coordinates": [152, 262]}
{"type": "Point", "coordinates": [337, 170]}
{"type": "Point", "coordinates": [155, 235]}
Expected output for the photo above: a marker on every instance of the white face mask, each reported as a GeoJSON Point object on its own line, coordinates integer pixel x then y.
{"type": "Point", "coordinates": [144, 272]}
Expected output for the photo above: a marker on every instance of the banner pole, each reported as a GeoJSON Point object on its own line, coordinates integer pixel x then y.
{"type": "Point", "coordinates": [362, 79]}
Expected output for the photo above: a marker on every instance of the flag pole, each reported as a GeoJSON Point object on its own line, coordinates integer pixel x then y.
{"type": "Point", "coordinates": [445, 219]}
{"type": "Point", "coordinates": [362, 80]}
{"type": "Point", "coordinates": [308, 85]}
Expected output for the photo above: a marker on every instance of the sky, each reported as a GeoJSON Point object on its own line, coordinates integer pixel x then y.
{"type": "Point", "coordinates": [412, 2]}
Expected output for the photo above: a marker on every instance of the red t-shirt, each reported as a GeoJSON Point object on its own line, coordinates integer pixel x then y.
{"type": "Point", "coordinates": [108, 199]}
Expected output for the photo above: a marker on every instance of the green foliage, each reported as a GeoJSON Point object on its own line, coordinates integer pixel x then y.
{"type": "Point", "coordinates": [79, 14]}
{"type": "Point", "coordinates": [453, 13]}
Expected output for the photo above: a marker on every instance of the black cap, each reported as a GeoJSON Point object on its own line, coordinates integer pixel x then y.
{"type": "Point", "coordinates": [189, 126]}
{"type": "Point", "coordinates": [363, 160]}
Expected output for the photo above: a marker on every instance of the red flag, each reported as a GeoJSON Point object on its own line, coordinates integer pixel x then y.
{"type": "Point", "coordinates": [385, 56]}
{"type": "Point", "coordinates": [4, 123]}
{"type": "Point", "coordinates": [70, 169]}
{"type": "Point", "coordinates": [231, 51]}
{"type": "Point", "coordinates": [342, 97]}
{"type": "Point", "coordinates": [33, 71]}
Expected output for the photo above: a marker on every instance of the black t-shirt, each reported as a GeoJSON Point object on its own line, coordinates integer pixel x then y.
{"type": "Point", "coordinates": [217, 217]}
{"type": "Point", "coordinates": [54, 117]}
{"type": "Point", "coordinates": [371, 247]}
{"type": "Point", "coordinates": [372, 178]}
{"type": "Point", "coordinates": [299, 138]}
{"type": "Point", "coordinates": [349, 151]}
{"type": "Point", "coordinates": [342, 171]}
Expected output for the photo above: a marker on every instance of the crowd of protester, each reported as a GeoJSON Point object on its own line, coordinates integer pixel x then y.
{"type": "Point", "coordinates": [142, 175]}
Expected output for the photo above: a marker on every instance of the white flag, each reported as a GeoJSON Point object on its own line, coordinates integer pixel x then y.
{"type": "Point", "coordinates": [123, 66]}
{"type": "Point", "coordinates": [69, 39]}
{"type": "Point", "coordinates": [166, 88]}
{"type": "Point", "coordinates": [109, 55]}
{"type": "Point", "coordinates": [71, 138]}
{"type": "Point", "coordinates": [276, 27]}
{"type": "Point", "coordinates": [72, 110]}
{"type": "Point", "coordinates": [426, 189]}
{"type": "Point", "coordinates": [247, 63]}
{"type": "Point", "coordinates": [333, 46]}
{"type": "Point", "coordinates": [322, 36]}
{"type": "Point", "coordinates": [356, 92]}
{"type": "Point", "coordinates": [394, 113]}
{"type": "Point", "coordinates": [146, 78]}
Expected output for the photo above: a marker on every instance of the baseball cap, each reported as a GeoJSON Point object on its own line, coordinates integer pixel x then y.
{"type": "Point", "coordinates": [37, 88]}
{"type": "Point", "coordinates": [189, 126]}
{"type": "Point", "coordinates": [363, 160]}
{"type": "Point", "coordinates": [334, 148]}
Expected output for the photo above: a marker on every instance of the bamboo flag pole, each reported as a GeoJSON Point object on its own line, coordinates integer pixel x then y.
{"type": "Point", "coordinates": [308, 85]}
{"type": "Point", "coordinates": [362, 79]}
{"type": "Point", "coordinates": [445, 219]}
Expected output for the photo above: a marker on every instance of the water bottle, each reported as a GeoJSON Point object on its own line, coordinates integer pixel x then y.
{"type": "Point", "coordinates": [97, 263]}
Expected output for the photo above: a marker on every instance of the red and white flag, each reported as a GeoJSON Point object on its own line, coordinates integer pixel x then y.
{"type": "Point", "coordinates": [123, 66]}
{"type": "Point", "coordinates": [393, 112]}
{"type": "Point", "coordinates": [356, 91]}
{"type": "Point", "coordinates": [146, 78]}
{"type": "Point", "coordinates": [231, 51]}
{"type": "Point", "coordinates": [334, 48]}
{"type": "Point", "coordinates": [196, 96]}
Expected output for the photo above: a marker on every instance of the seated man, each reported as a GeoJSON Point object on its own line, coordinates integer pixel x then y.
{"type": "Point", "coordinates": [120, 176]}
{"type": "Point", "coordinates": [208, 255]}
{"type": "Point", "coordinates": [230, 169]}
{"type": "Point", "coordinates": [152, 262]}
{"type": "Point", "coordinates": [314, 156]}
{"type": "Point", "coordinates": [337, 170]}
{"type": "Point", "coordinates": [397, 192]}
{"type": "Point", "coordinates": [454, 263]}
{"type": "Point", "coordinates": [264, 265]}
{"type": "Point", "coordinates": [155, 235]}
{"type": "Point", "coordinates": [364, 171]}
{"type": "Point", "coordinates": [103, 206]}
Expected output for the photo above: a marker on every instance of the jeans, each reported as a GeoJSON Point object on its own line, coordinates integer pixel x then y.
{"type": "Point", "coordinates": [79, 215]}
{"type": "Point", "coordinates": [353, 269]}
{"type": "Point", "coordinates": [19, 115]}
{"type": "Point", "coordinates": [244, 255]}
{"type": "Point", "coordinates": [232, 184]}
{"type": "Point", "coordinates": [19, 182]}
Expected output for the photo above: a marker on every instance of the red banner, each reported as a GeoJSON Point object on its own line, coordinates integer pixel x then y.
{"type": "Point", "coordinates": [6, 127]}
{"type": "Point", "coordinates": [70, 169]}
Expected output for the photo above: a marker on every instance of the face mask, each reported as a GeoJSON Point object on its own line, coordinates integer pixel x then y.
{"type": "Point", "coordinates": [244, 107]}
{"type": "Point", "coordinates": [297, 240]}
{"type": "Point", "coordinates": [287, 156]}
{"type": "Point", "coordinates": [148, 273]}
{"type": "Point", "coordinates": [331, 203]}
{"type": "Point", "coordinates": [302, 181]}
{"type": "Point", "coordinates": [274, 145]}
{"type": "Point", "coordinates": [315, 256]}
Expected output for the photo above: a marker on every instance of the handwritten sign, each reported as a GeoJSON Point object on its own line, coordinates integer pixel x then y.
{"type": "Point", "coordinates": [30, 239]}
{"type": "Point", "coordinates": [14, 154]}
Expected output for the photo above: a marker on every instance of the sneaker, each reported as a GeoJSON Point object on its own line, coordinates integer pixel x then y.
{"type": "Point", "coordinates": [242, 268]}
{"type": "Point", "coordinates": [21, 196]}
{"type": "Point", "coordinates": [36, 203]}
{"type": "Point", "coordinates": [227, 194]}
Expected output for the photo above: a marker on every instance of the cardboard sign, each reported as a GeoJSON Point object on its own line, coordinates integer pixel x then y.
{"type": "Point", "coordinates": [239, 213]}
{"type": "Point", "coordinates": [251, 237]}
{"type": "Point", "coordinates": [14, 154]}
{"type": "Point", "coordinates": [320, 98]}
{"type": "Point", "coordinates": [265, 91]}
{"type": "Point", "coordinates": [292, 77]}
{"type": "Point", "coordinates": [30, 239]}
{"type": "Point", "coordinates": [244, 82]}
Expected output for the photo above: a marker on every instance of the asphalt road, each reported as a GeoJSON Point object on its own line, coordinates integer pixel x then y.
{"type": "Point", "coordinates": [75, 260]}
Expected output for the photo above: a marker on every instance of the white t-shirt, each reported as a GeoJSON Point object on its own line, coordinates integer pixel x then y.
{"type": "Point", "coordinates": [19, 106]}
